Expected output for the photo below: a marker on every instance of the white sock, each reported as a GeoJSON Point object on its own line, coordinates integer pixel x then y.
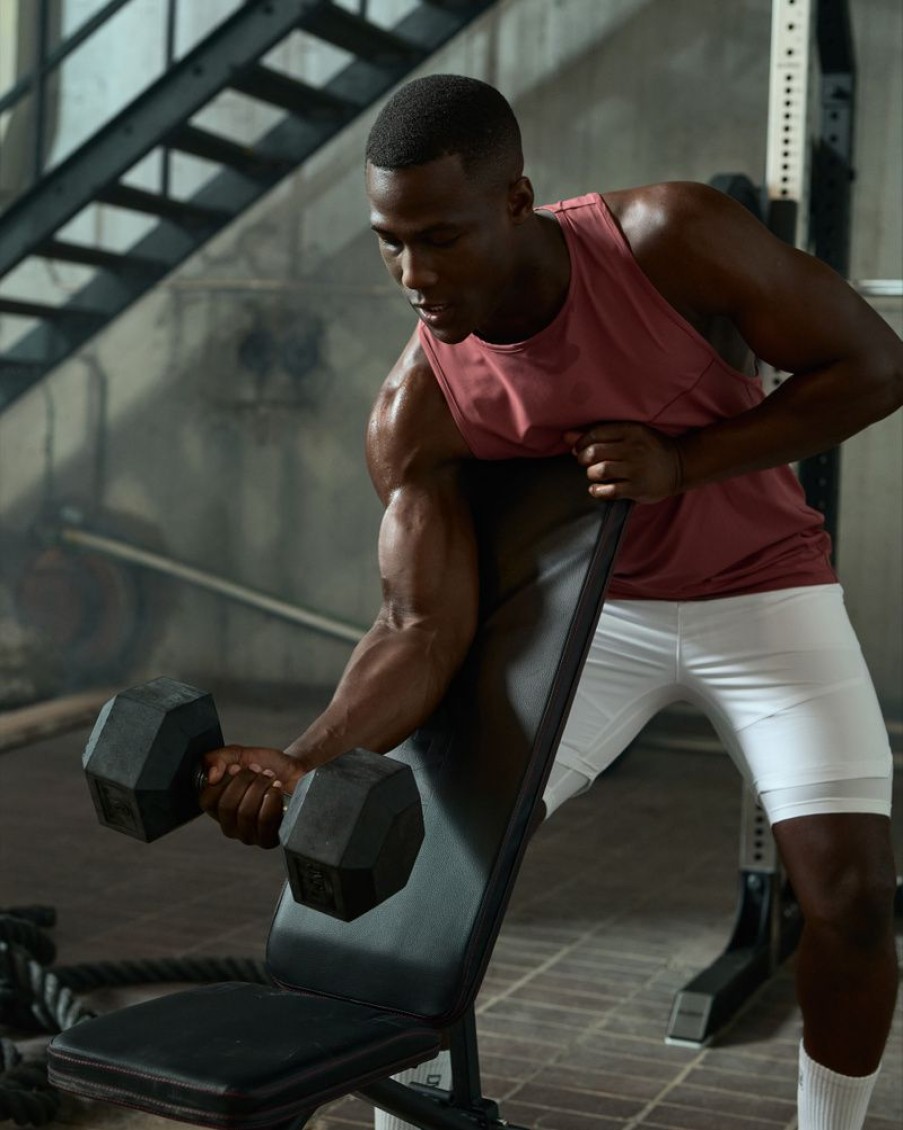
{"type": "Point", "coordinates": [828, 1101]}
{"type": "Point", "coordinates": [434, 1073]}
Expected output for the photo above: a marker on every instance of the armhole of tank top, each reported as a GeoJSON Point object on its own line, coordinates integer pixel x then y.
{"type": "Point", "coordinates": [626, 252]}
{"type": "Point", "coordinates": [445, 388]}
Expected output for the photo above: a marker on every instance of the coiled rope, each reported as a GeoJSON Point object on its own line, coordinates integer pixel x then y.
{"type": "Point", "coordinates": [34, 997]}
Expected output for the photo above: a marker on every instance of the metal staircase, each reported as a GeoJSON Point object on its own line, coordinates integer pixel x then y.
{"type": "Point", "coordinates": [228, 58]}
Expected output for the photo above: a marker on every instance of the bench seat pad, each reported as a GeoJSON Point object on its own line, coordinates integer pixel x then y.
{"type": "Point", "coordinates": [235, 1055]}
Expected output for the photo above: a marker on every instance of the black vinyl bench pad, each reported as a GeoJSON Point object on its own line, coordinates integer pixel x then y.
{"type": "Point", "coordinates": [237, 1056]}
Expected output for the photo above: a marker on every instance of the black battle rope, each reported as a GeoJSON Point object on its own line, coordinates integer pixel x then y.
{"type": "Point", "coordinates": [36, 998]}
{"type": "Point", "coordinates": [20, 932]}
{"type": "Point", "coordinates": [43, 916]}
{"type": "Point", "coordinates": [10, 1055]}
{"type": "Point", "coordinates": [26, 1097]}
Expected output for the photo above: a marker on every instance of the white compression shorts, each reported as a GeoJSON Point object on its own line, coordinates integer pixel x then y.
{"type": "Point", "coordinates": [779, 674]}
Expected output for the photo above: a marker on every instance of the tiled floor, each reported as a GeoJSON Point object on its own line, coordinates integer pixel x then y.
{"type": "Point", "coordinates": [624, 895]}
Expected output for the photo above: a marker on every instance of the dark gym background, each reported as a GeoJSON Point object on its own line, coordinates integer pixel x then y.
{"type": "Point", "coordinates": [217, 424]}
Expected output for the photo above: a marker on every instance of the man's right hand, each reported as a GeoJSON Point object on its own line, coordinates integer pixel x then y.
{"type": "Point", "coordinates": [245, 791]}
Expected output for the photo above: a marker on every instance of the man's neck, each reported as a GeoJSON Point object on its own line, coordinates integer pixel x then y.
{"type": "Point", "coordinates": [540, 286]}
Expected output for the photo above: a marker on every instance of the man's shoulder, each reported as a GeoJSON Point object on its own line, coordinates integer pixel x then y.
{"type": "Point", "coordinates": [664, 208]}
{"type": "Point", "coordinates": [411, 429]}
{"type": "Point", "coordinates": [410, 394]}
{"type": "Point", "coordinates": [411, 377]}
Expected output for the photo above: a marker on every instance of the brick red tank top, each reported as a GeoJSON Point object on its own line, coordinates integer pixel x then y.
{"type": "Point", "coordinates": [617, 350]}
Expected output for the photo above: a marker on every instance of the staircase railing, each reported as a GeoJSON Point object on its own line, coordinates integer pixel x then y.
{"type": "Point", "coordinates": [46, 324]}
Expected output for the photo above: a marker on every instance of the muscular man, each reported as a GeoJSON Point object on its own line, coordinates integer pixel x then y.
{"type": "Point", "coordinates": [622, 327]}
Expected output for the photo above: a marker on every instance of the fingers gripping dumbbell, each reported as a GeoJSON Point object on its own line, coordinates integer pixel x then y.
{"type": "Point", "coordinates": [352, 828]}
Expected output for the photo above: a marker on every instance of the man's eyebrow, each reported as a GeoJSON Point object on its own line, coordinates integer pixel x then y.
{"type": "Point", "coordinates": [441, 225]}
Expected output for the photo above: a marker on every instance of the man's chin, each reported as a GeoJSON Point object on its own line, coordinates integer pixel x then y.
{"type": "Point", "coordinates": [449, 335]}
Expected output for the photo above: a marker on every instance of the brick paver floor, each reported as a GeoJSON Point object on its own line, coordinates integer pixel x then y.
{"type": "Point", "coordinates": [625, 894]}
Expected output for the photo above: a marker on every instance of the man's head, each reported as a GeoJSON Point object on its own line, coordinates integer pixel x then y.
{"type": "Point", "coordinates": [447, 195]}
{"type": "Point", "coordinates": [447, 116]}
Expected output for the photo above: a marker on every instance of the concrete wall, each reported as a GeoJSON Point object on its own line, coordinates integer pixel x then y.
{"type": "Point", "coordinates": [870, 552]}
{"type": "Point", "coordinates": [227, 409]}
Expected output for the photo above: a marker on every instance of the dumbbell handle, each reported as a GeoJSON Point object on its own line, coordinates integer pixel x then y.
{"type": "Point", "coordinates": [201, 782]}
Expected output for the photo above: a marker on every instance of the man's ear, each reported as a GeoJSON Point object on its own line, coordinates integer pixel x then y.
{"type": "Point", "coordinates": [520, 200]}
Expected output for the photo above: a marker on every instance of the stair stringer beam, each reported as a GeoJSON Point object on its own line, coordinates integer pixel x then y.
{"type": "Point", "coordinates": [361, 83]}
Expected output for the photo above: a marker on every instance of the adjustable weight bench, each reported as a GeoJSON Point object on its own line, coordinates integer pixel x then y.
{"type": "Point", "coordinates": [360, 1001]}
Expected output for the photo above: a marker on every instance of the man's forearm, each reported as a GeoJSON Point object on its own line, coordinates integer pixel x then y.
{"type": "Point", "coordinates": [394, 681]}
{"type": "Point", "coordinates": [809, 413]}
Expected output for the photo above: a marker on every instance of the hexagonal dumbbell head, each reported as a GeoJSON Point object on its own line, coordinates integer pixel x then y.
{"type": "Point", "coordinates": [143, 757]}
{"type": "Point", "coordinates": [351, 833]}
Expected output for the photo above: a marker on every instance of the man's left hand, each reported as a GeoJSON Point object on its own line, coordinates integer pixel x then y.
{"type": "Point", "coordinates": [628, 460]}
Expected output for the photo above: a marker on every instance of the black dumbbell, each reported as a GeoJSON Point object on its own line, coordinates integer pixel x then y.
{"type": "Point", "coordinates": [352, 828]}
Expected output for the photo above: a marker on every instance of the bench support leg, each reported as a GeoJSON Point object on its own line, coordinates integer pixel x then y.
{"type": "Point", "coordinates": [766, 930]}
{"type": "Point", "coordinates": [461, 1108]}
{"type": "Point", "coordinates": [426, 1107]}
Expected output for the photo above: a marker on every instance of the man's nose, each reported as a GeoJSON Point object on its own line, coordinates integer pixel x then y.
{"type": "Point", "coordinates": [417, 272]}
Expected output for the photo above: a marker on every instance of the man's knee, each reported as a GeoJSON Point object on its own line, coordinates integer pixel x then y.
{"type": "Point", "coordinates": [859, 909]}
{"type": "Point", "coordinates": [842, 870]}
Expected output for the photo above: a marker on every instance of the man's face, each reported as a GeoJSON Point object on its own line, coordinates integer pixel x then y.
{"type": "Point", "coordinates": [447, 240]}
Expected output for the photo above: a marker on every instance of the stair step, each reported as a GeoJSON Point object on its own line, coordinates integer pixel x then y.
{"type": "Point", "coordinates": [213, 147]}
{"type": "Point", "coordinates": [12, 369]}
{"type": "Point", "coordinates": [19, 309]}
{"type": "Point", "coordinates": [353, 33]}
{"type": "Point", "coordinates": [179, 211]}
{"type": "Point", "coordinates": [98, 257]}
{"type": "Point", "coordinates": [230, 57]}
{"type": "Point", "coordinates": [267, 85]}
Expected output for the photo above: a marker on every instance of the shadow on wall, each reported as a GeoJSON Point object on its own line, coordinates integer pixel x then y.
{"type": "Point", "coordinates": [243, 458]}
{"type": "Point", "coordinates": [243, 436]}
{"type": "Point", "coordinates": [71, 620]}
{"type": "Point", "coordinates": [668, 95]}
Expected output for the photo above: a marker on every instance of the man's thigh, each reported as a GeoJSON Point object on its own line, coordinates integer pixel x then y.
{"type": "Point", "coordinates": [783, 679]}
{"type": "Point", "coordinates": [780, 675]}
{"type": "Point", "coordinates": [629, 675]}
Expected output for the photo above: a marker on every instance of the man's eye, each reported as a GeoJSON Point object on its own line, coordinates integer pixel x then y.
{"type": "Point", "coordinates": [445, 241]}
{"type": "Point", "coordinates": [389, 244]}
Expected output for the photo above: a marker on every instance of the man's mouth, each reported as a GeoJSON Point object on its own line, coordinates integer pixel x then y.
{"type": "Point", "coordinates": [433, 312]}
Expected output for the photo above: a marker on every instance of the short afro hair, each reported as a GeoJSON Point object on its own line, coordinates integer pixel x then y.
{"type": "Point", "coordinates": [444, 115]}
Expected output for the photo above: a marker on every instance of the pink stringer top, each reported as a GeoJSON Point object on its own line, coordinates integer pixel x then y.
{"type": "Point", "coordinates": [617, 350]}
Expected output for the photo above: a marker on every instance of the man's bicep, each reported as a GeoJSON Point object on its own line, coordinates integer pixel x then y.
{"type": "Point", "coordinates": [427, 550]}
{"type": "Point", "coordinates": [799, 315]}
{"type": "Point", "coordinates": [792, 310]}
{"type": "Point", "coordinates": [428, 559]}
